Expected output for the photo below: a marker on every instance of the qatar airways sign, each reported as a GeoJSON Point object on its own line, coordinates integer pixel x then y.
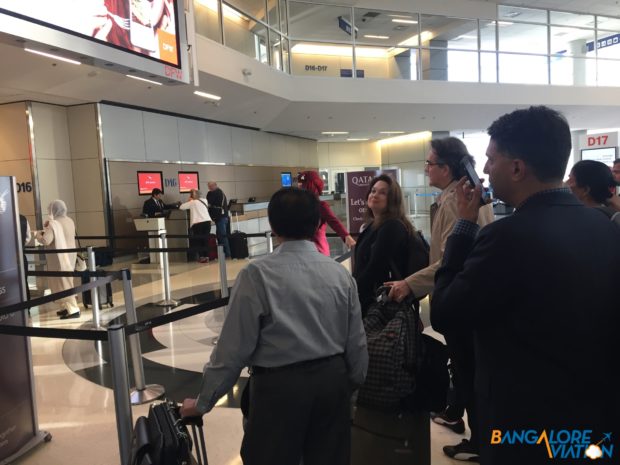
{"type": "Point", "coordinates": [358, 183]}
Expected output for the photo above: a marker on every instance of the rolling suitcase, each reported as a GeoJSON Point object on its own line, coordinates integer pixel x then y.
{"type": "Point", "coordinates": [238, 242]}
{"type": "Point", "coordinates": [162, 438]}
{"type": "Point", "coordinates": [239, 245]}
{"type": "Point", "coordinates": [105, 294]}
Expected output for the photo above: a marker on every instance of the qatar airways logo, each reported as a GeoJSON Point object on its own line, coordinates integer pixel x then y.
{"type": "Point", "coordinates": [362, 181]}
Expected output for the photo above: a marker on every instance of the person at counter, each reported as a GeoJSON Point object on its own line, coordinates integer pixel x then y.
{"type": "Point", "coordinates": [200, 224]}
{"type": "Point", "coordinates": [218, 209]}
{"type": "Point", "coordinates": [155, 206]}
{"type": "Point", "coordinates": [311, 181]}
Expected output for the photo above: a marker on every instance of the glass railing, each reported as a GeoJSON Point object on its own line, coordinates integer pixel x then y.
{"type": "Point", "coordinates": [523, 46]}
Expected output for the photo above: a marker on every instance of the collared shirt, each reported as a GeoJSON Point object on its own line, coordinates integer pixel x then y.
{"type": "Point", "coordinates": [444, 219]}
{"type": "Point", "coordinates": [290, 306]}
{"type": "Point", "coordinates": [198, 211]}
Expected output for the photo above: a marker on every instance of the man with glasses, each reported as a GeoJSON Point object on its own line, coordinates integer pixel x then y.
{"type": "Point", "coordinates": [444, 169]}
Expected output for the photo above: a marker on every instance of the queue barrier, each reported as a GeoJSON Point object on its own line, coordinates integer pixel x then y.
{"type": "Point", "coordinates": [116, 335]}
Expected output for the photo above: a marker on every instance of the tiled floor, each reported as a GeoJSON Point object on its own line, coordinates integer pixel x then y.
{"type": "Point", "coordinates": [79, 412]}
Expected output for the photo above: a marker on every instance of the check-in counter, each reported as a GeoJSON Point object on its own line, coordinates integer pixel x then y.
{"type": "Point", "coordinates": [251, 218]}
{"type": "Point", "coordinates": [153, 227]}
{"type": "Point", "coordinates": [176, 223]}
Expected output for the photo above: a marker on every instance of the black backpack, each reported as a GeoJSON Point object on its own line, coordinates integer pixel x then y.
{"type": "Point", "coordinates": [419, 252]}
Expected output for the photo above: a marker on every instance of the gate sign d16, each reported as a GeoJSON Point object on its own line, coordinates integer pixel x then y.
{"type": "Point", "coordinates": [597, 141]}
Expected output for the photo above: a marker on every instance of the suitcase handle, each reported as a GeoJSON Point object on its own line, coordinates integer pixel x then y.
{"type": "Point", "coordinates": [196, 421]}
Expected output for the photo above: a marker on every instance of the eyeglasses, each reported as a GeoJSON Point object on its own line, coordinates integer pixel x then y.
{"type": "Point", "coordinates": [431, 163]}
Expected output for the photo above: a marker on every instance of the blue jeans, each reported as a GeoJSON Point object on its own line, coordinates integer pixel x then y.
{"type": "Point", "coordinates": [221, 233]}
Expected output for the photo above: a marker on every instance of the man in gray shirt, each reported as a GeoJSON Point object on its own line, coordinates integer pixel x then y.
{"type": "Point", "coordinates": [294, 318]}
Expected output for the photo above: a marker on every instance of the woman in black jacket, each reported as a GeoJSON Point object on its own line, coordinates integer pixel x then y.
{"type": "Point", "coordinates": [382, 250]}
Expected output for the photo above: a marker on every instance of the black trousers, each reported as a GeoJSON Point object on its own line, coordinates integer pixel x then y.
{"type": "Point", "coordinates": [296, 413]}
{"type": "Point", "coordinates": [200, 229]}
{"type": "Point", "coordinates": [461, 352]}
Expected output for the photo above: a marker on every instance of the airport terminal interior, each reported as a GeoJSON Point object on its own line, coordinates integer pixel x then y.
{"type": "Point", "coordinates": [99, 101]}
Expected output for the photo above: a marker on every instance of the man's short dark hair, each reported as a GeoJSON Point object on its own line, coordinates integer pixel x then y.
{"type": "Point", "coordinates": [616, 161]}
{"type": "Point", "coordinates": [450, 151]}
{"type": "Point", "coordinates": [294, 213]}
{"type": "Point", "coordinates": [156, 191]}
{"type": "Point", "coordinates": [538, 135]}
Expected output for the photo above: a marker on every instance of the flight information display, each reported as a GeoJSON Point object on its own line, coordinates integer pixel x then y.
{"type": "Point", "coordinates": [188, 180]}
{"type": "Point", "coordinates": [149, 180]}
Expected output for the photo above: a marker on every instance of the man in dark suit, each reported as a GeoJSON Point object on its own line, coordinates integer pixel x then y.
{"type": "Point", "coordinates": [541, 293]}
{"type": "Point", "coordinates": [155, 206]}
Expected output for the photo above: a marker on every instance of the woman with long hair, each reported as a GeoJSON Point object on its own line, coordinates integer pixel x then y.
{"type": "Point", "coordinates": [381, 253]}
{"type": "Point", "coordinates": [312, 182]}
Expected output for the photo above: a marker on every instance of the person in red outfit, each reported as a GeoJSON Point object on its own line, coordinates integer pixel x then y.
{"type": "Point", "coordinates": [311, 181]}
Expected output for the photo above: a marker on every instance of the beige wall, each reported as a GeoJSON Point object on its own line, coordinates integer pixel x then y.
{"type": "Point", "coordinates": [340, 157]}
{"type": "Point", "coordinates": [15, 155]}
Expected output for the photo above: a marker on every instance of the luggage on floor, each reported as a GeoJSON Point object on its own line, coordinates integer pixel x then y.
{"type": "Point", "coordinates": [105, 294]}
{"type": "Point", "coordinates": [212, 244]}
{"type": "Point", "coordinates": [103, 256]}
{"type": "Point", "coordinates": [162, 438]}
{"type": "Point", "coordinates": [390, 438]}
{"type": "Point", "coordinates": [238, 242]}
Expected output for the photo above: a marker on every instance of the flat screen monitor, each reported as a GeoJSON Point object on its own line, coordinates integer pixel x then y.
{"type": "Point", "coordinates": [141, 27]}
{"type": "Point", "coordinates": [188, 180]}
{"type": "Point", "coordinates": [286, 178]}
{"type": "Point", "coordinates": [149, 180]}
{"type": "Point", "coordinates": [605, 155]}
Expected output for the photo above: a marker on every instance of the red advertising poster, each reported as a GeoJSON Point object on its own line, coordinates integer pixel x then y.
{"type": "Point", "coordinates": [149, 180]}
{"type": "Point", "coordinates": [357, 188]}
{"type": "Point", "coordinates": [188, 180]}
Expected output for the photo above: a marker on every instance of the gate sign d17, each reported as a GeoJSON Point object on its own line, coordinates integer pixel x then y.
{"type": "Point", "coordinates": [597, 141]}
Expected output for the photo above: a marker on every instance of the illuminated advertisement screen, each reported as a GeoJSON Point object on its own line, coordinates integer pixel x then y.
{"type": "Point", "coordinates": [286, 179]}
{"type": "Point", "coordinates": [149, 180]}
{"type": "Point", "coordinates": [144, 27]}
{"type": "Point", "coordinates": [188, 180]}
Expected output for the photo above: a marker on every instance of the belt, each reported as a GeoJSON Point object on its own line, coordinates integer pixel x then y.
{"type": "Point", "coordinates": [257, 370]}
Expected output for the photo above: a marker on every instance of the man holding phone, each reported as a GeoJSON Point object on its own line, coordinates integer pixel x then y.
{"type": "Point", "coordinates": [542, 290]}
{"type": "Point", "coordinates": [444, 167]}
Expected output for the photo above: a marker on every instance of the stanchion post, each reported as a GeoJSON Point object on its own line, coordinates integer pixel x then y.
{"type": "Point", "coordinates": [120, 383]}
{"type": "Point", "coordinates": [168, 301]}
{"type": "Point", "coordinates": [221, 257]}
{"type": "Point", "coordinates": [142, 393]}
{"type": "Point", "coordinates": [94, 292]}
{"type": "Point", "coordinates": [269, 241]}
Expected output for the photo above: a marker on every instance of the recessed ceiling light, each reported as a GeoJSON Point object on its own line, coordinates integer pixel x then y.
{"type": "Point", "coordinates": [55, 57]}
{"type": "Point", "coordinates": [357, 139]}
{"type": "Point", "coordinates": [404, 21]}
{"type": "Point", "coordinates": [143, 79]}
{"type": "Point", "coordinates": [209, 96]}
{"type": "Point", "coordinates": [391, 132]}
{"type": "Point", "coordinates": [505, 23]}
{"type": "Point", "coordinates": [334, 133]}
{"type": "Point", "coordinates": [372, 36]}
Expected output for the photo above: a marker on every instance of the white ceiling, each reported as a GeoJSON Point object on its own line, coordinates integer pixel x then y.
{"type": "Point", "coordinates": [24, 76]}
